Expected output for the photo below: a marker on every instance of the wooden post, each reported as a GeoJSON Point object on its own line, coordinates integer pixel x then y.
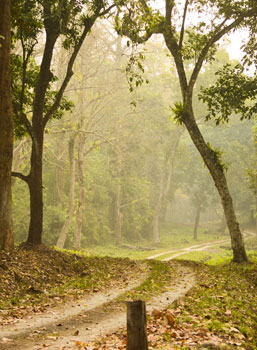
{"type": "Point", "coordinates": [136, 325]}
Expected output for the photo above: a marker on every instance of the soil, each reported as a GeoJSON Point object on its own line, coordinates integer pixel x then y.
{"type": "Point", "coordinates": [61, 326]}
{"type": "Point", "coordinates": [198, 247]}
{"type": "Point", "coordinates": [86, 319]}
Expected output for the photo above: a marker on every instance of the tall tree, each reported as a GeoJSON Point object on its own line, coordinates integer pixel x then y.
{"type": "Point", "coordinates": [187, 39]}
{"type": "Point", "coordinates": [6, 130]}
{"type": "Point", "coordinates": [69, 21]}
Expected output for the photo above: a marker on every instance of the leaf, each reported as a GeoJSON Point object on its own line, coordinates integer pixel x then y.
{"type": "Point", "coordinates": [170, 319]}
{"type": "Point", "coordinates": [156, 313]}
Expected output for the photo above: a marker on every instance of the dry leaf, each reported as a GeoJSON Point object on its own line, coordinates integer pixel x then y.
{"type": "Point", "coordinates": [156, 313]}
{"type": "Point", "coordinates": [170, 319]}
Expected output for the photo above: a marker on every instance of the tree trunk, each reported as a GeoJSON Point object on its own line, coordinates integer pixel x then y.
{"type": "Point", "coordinates": [35, 183]}
{"type": "Point", "coordinates": [6, 130]}
{"type": "Point", "coordinates": [223, 224]}
{"type": "Point", "coordinates": [136, 325]}
{"type": "Point", "coordinates": [119, 215]}
{"type": "Point", "coordinates": [256, 215]}
{"type": "Point", "coordinates": [59, 178]}
{"type": "Point", "coordinates": [174, 147]}
{"type": "Point", "coordinates": [157, 210]}
{"type": "Point", "coordinates": [64, 231]}
{"type": "Point", "coordinates": [197, 220]}
{"type": "Point", "coordinates": [217, 173]}
{"type": "Point", "coordinates": [165, 184]}
{"type": "Point", "coordinates": [81, 194]}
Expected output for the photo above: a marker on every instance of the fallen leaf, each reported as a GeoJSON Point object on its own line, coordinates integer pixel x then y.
{"type": "Point", "coordinates": [156, 313]}
{"type": "Point", "coordinates": [170, 319]}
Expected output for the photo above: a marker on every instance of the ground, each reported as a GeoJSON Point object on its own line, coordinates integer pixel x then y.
{"type": "Point", "coordinates": [58, 300]}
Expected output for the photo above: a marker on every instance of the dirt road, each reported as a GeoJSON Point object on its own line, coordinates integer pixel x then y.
{"type": "Point", "coordinates": [172, 254]}
{"type": "Point", "coordinates": [85, 320]}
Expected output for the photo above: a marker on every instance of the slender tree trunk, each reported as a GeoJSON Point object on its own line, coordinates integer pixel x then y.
{"type": "Point", "coordinates": [197, 220]}
{"type": "Point", "coordinates": [112, 210]}
{"type": "Point", "coordinates": [6, 130]}
{"type": "Point", "coordinates": [64, 231]}
{"type": "Point", "coordinates": [174, 148]}
{"type": "Point", "coordinates": [162, 202]}
{"type": "Point", "coordinates": [223, 224]}
{"type": "Point", "coordinates": [256, 215]}
{"type": "Point", "coordinates": [35, 183]}
{"type": "Point", "coordinates": [59, 178]}
{"type": "Point", "coordinates": [119, 216]}
{"type": "Point", "coordinates": [157, 210]}
{"type": "Point", "coordinates": [217, 173]}
{"type": "Point", "coordinates": [81, 194]}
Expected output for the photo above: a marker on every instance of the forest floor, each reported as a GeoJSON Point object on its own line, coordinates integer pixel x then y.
{"type": "Point", "coordinates": [56, 300]}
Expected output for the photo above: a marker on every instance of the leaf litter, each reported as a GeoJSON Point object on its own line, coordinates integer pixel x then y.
{"type": "Point", "coordinates": [219, 313]}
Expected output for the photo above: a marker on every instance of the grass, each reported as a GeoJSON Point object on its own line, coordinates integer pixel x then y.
{"type": "Point", "coordinates": [172, 237]}
{"type": "Point", "coordinates": [42, 277]}
{"type": "Point", "coordinates": [220, 311]}
{"type": "Point", "coordinates": [225, 302]}
{"type": "Point", "coordinates": [161, 275]}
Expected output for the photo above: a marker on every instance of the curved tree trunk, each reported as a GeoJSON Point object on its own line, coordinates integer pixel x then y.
{"type": "Point", "coordinates": [217, 173]}
{"type": "Point", "coordinates": [6, 130]}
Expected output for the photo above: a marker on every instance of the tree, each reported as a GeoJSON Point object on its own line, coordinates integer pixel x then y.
{"type": "Point", "coordinates": [6, 130]}
{"type": "Point", "coordinates": [66, 21]}
{"type": "Point", "coordinates": [187, 40]}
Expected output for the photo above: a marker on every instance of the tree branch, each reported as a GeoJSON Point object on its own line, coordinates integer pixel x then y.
{"type": "Point", "coordinates": [21, 176]}
{"type": "Point", "coordinates": [69, 71]}
{"type": "Point", "coordinates": [218, 33]}
{"type": "Point", "coordinates": [183, 25]}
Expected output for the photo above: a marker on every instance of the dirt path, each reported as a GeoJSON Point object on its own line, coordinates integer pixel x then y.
{"type": "Point", "coordinates": [85, 320]}
{"type": "Point", "coordinates": [196, 248]}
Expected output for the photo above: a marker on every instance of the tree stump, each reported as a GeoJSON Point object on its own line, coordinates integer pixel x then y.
{"type": "Point", "coordinates": [136, 325]}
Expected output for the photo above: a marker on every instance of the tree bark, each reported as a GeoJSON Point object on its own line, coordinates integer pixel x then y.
{"type": "Point", "coordinates": [35, 177]}
{"type": "Point", "coordinates": [197, 220]}
{"type": "Point", "coordinates": [217, 173]}
{"type": "Point", "coordinates": [64, 231]}
{"type": "Point", "coordinates": [223, 224]}
{"type": "Point", "coordinates": [136, 325]}
{"type": "Point", "coordinates": [6, 130]}
{"type": "Point", "coordinates": [35, 183]}
{"type": "Point", "coordinates": [157, 210]}
{"type": "Point", "coordinates": [165, 184]}
{"type": "Point", "coordinates": [81, 194]}
{"type": "Point", "coordinates": [119, 215]}
{"type": "Point", "coordinates": [173, 151]}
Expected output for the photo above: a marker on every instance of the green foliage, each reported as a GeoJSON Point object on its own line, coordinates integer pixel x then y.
{"type": "Point", "coordinates": [24, 77]}
{"type": "Point", "coordinates": [135, 71]}
{"type": "Point", "coordinates": [180, 112]}
{"type": "Point", "coordinates": [217, 155]}
{"type": "Point", "coordinates": [233, 92]}
{"type": "Point", "coordinates": [195, 40]}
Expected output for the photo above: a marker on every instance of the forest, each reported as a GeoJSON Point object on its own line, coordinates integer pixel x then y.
{"type": "Point", "coordinates": [128, 130]}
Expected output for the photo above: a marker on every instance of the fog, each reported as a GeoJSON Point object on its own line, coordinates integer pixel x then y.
{"type": "Point", "coordinates": [117, 168]}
